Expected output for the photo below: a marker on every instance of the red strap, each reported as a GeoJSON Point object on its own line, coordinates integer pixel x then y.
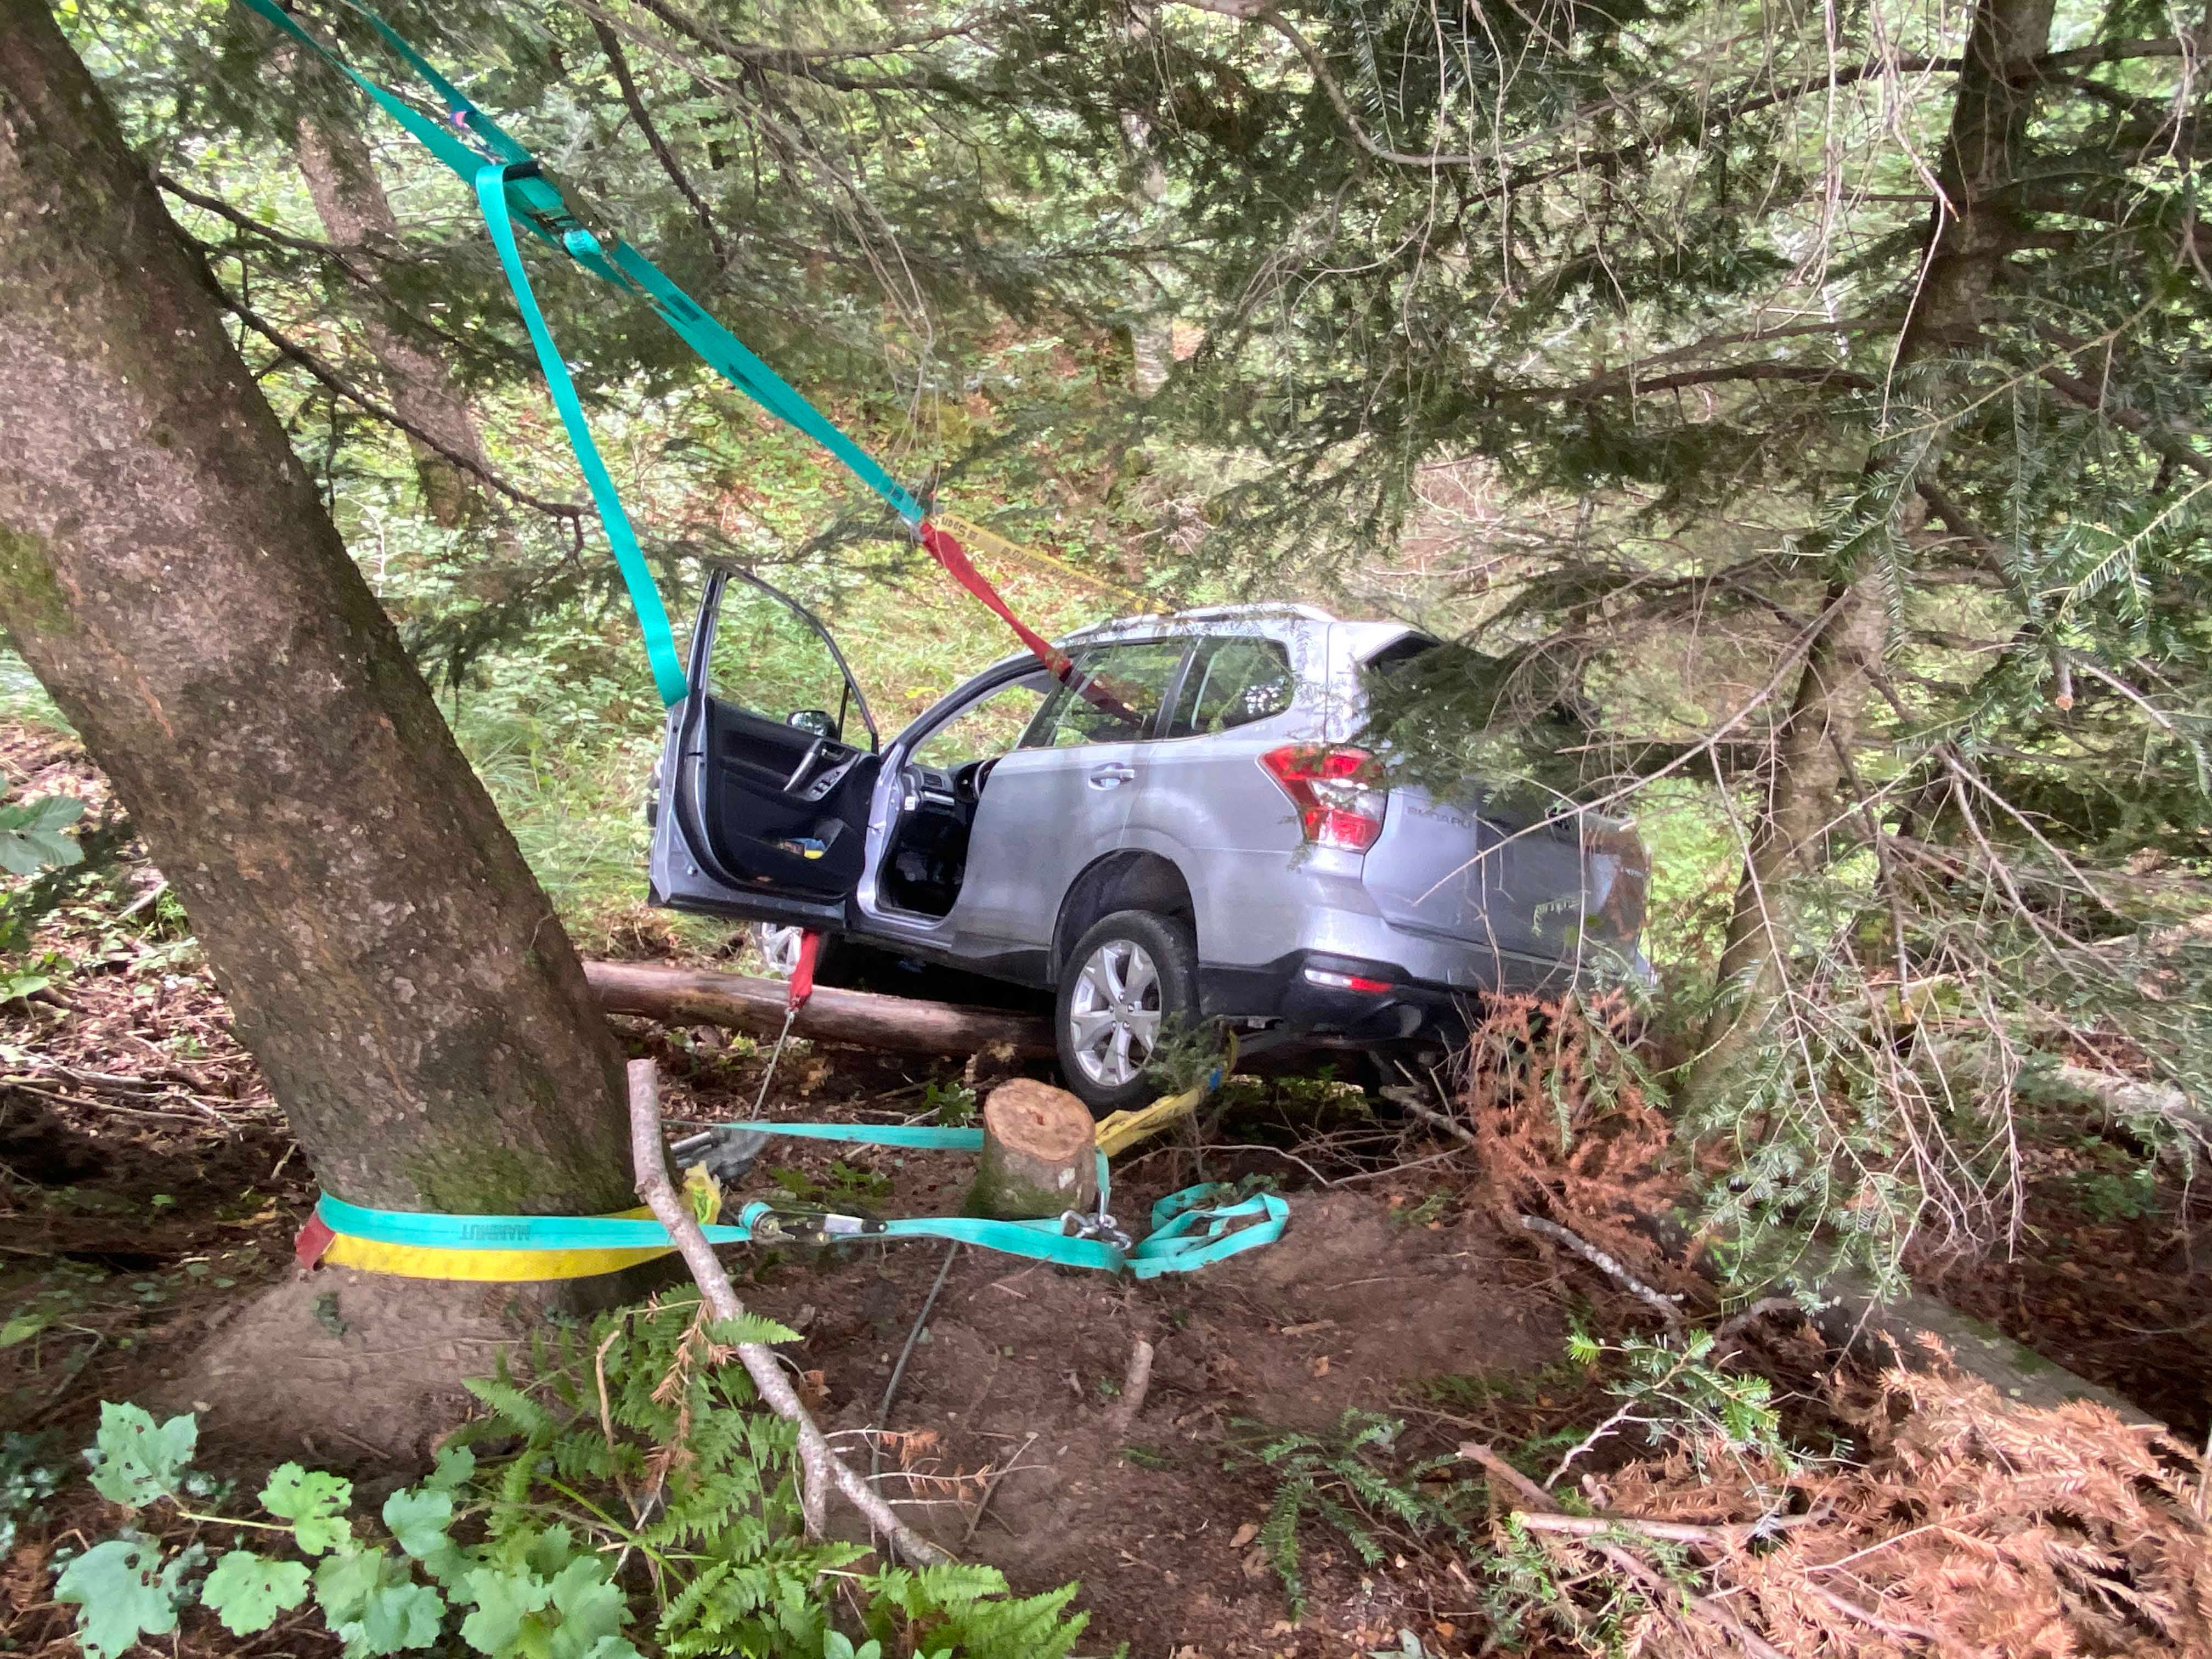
{"type": "Point", "coordinates": [1096, 690]}
{"type": "Point", "coordinates": [802, 971]}
{"type": "Point", "coordinates": [312, 1240]}
{"type": "Point", "coordinates": [948, 552]}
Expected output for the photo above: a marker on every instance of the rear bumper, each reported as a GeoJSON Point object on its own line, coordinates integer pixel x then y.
{"type": "Point", "coordinates": [1286, 989]}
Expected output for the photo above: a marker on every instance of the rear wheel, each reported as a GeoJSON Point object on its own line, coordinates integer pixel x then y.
{"type": "Point", "coordinates": [1130, 981]}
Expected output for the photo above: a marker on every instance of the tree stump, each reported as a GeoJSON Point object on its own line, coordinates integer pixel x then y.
{"type": "Point", "coordinates": [1039, 1154]}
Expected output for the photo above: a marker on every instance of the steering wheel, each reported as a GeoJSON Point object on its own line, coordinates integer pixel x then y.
{"type": "Point", "coordinates": [967, 781]}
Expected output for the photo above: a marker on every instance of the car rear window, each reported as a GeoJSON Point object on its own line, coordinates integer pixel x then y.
{"type": "Point", "coordinates": [1402, 652]}
{"type": "Point", "coordinates": [1233, 683]}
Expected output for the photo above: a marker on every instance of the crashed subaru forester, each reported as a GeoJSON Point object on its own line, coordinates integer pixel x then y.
{"type": "Point", "coordinates": [1184, 827]}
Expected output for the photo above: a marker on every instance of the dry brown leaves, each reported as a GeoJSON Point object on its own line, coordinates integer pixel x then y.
{"type": "Point", "coordinates": [1564, 1130]}
{"type": "Point", "coordinates": [1975, 1527]}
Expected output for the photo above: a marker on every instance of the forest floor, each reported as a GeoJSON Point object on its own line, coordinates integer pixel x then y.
{"type": "Point", "coordinates": [149, 1190]}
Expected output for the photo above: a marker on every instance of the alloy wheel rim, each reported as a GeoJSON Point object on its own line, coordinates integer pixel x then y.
{"type": "Point", "coordinates": [779, 947]}
{"type": "Point", "coordinates": [1114, 1013]}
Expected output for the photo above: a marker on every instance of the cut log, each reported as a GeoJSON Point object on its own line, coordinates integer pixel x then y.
{"type": "Point", "coordinates": [692, 996]}
{"type": "Point", "coordinates": [1039, 1154]}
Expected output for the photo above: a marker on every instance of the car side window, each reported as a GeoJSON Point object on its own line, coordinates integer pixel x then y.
{"type": "Point", "coordinates": [1112, 697]}
{"type": "Point", "coordinates": [986, 727]}
{"type": "Point", "coordinates": [1233, 683]}
{"type": "Point", "coordinates": [766, 661]}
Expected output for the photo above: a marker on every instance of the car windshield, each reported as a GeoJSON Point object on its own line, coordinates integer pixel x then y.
{"type": "Point", "coordinates": [988, 727]}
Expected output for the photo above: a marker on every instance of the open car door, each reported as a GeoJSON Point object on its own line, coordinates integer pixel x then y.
{"type": "Point", "coordinates": [762, 809]}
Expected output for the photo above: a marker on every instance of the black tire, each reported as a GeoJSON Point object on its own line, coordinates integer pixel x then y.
{"type": "Point", "coordinates": [1169, 1001]}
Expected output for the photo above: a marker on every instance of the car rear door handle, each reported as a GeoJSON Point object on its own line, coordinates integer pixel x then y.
{"type": "Point", "coordinates": [1113, 774]}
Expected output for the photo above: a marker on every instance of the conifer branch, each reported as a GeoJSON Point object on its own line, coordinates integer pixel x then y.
{"type": "Point", "coordinates": [294, 352]}
{"type": "Point", "coordinates": [618, 61]}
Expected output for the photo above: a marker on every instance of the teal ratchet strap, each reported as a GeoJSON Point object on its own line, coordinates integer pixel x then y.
{"type": "Point", "coordinates": [491, 181]}
{"type": "Point", "coordinates": [1190, 1229]}
{"type": "Point", "coordinates": [509, 184]}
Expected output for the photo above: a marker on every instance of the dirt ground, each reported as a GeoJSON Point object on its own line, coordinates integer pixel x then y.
{"type": "Point", "coordinates": [1021, 1365]}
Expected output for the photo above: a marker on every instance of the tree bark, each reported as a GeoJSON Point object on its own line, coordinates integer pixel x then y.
{"type": "Point", "coordinates": [168, 572]}
{"type": "Point", "coordinates": [698, 996]}
{"type": "Point", "coordinates": [1040, 1154]}
{"type": "Point", "coordinates": [1971, 227]}
{"type": "Point", "coordinates": [357, 215]}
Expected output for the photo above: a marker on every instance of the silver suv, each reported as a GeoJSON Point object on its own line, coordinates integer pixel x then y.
{"type": "Point", "coordinates": [1186, 828]}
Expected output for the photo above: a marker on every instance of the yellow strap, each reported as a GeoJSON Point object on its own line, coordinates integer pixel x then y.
{"type": "Point", "coordinates": [974, 535]}
{"type": "Point", "coordinates": [517, 1266]}
{"type": "Point", "coordinates": [1125, 1129]}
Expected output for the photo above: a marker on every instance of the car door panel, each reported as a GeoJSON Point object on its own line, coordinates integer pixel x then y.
{"type": "Point", "coordinates": [1041, 820]}
{"type": "Point", "coordinates": [1062, 801]}
{"type": "Point", "coordinates": [757, 817]}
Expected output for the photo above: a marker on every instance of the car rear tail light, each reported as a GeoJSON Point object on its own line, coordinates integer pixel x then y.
{"type": "Point", "coordinates": [1338, 793]}
{"type": "Point", "coordinates": [1347, 981]}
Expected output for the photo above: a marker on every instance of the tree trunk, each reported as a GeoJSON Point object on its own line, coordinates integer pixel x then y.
{"type": "Point", "coordinates": [1040, 1154]}
{"type": "Point", "coordinates": [356, 215]}
{"type": "Point", "coordinates": [1152, 337]}
{"type": "Point", "coordinates": [1969, 230]}
{"type": "Point", "coordinates": [169, 575]}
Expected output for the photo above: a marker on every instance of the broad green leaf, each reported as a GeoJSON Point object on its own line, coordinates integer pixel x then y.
{"type": "Point", "coordinates": [247, 1591]}
{"type": "Point", "coordinates": [49, 813]}
{"type": "Point", "coordinates": [748, 1327]}
{"type": "Point", "coordinates": [399, 1615]}
{"type": "Point", "coordinates": [418, 1518]}
{"type": "Point", "coordinates": [23, 1327]}
{"type": "Point", "coordinates": [134, 1462]}
{"type": "Point", "coordinates": [31, 838]}
{"type": "Point", "coordinates": [590, 1608]}
{"type": "Point", "coordinates": [454, 1466]}
{"type": "Point", "coordinates": [551, 1550]}
{"type": "Point", "coordinates": [122, 1592]}
{"type": "Point", "coordinates": [504, 1602]}
{"type": "Point", "coordinates": [344, 1581]}
{"type": "Point", "coordinates": [613, 1647]}
{"type": "Point", "coordinates": [313, 1501]}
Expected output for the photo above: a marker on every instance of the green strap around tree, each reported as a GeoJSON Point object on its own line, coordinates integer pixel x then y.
{"type": "Point", "coordinates": [509, 185]}
{"type": "Point", "coordinates": [1190, 1229]}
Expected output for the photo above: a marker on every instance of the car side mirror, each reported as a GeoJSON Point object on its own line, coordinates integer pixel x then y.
{"type": "Point", "coordinates": [820, 721]}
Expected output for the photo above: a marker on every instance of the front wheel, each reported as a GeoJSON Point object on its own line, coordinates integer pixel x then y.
{"type": "Point", "coordinates": [778, 947]}
{"type": "Point", "coordinates": [1130, 980]}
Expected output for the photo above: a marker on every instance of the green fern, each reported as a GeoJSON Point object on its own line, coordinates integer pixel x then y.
{"type": "Point", "coordinates": [1342, 1480]}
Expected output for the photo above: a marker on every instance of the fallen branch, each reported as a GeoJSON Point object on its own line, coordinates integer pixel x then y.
{"type": "Point", "coordinates": [1591, 1526]}
{"type": "Point", "coordinates": [698, 996]}
{"type": "Point", "coordinates": [1714, 1615]}
{"type": "Point", "coordinates": [1605, 1264]}
{"type": "Point", "coordinates": [1410, 1098]}
{"type": "Point", "coordinates": [819, 1467]}
{"type": "Point", "coordinates": [1136, 1382]}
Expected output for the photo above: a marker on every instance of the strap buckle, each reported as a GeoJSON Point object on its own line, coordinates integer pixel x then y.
{"type": "Point", "coordinates": [1101, 1227]}
{"type": "Point", "coordinates": [814, 1228]}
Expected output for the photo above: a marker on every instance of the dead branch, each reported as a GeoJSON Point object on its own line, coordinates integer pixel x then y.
{"type": "Point", "coordinates": [1710, 1612]}
{"type": "Point", "coordinates": [618, 61]}
{"type": "Point", "coordinates": [1136, 1382]}
{"type": "Point", "coordinates": [1605, 1264]}
{"type": "Point", "coordinates": [820, 1466]}
{"type": "Point", "coordinates": [293, 351]}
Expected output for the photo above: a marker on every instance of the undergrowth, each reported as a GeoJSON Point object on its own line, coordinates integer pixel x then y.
{"type": "Point", "coordinates": [631, 1493]}
{"type": "Point", "coordinates": [1348, 1481]}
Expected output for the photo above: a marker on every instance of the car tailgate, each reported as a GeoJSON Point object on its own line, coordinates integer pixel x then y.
{"type": "Point", "coordinates": [1510, 881]}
